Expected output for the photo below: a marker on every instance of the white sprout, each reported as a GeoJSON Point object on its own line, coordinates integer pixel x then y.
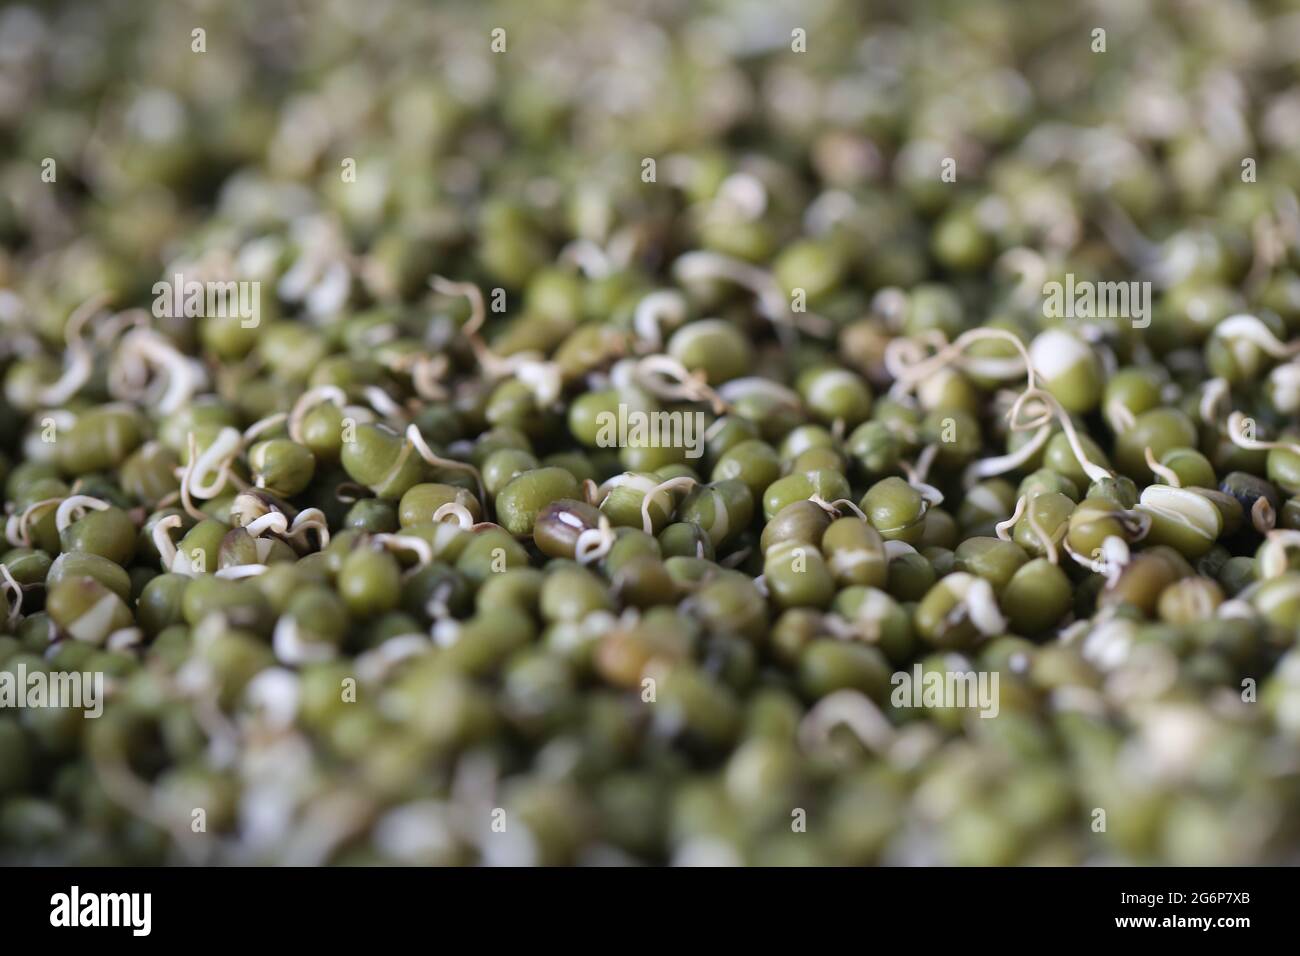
{"type": "Point", "coordinates": [1238, 434]}
{"type": "Point", "coordinates": [406, 542]}
{"type": "Point", "coordinates": [239, 571]}
{"type": "Point", "coordinates": [162, 540]}
{"type": "Point", "coordinates": [453, 509]}
{"type": "Point", "coordinates": [712, 266]}
{"type": "Point", "coordinates": [290, 648]}
{"type": "Point", "coordinates": [309, 400]}
{"type": "Point", "coordinates": [1249, 328]}
{"type": "Point", "coordinates": [896, 549]}
{"type": "Point", "coordinates": [426, 374]}
{"type": "Point", "coordinates": [851, 709]}
{"type": "Point", "coordinates": [72, 508]}
{"type": "Point", "coordinates": [263, 425]}
{"type": "Point", "coordinates": [215, 460]}
{"type": "Point", "coordinates": [272, 521]}
{"type": "Point", "coordinates": [1001, 464]}
{"type": "Point", "coordinates": [1160, 471]}
{"type": "Point", "coordinates": [17, 531]}
{"type": "Point", "coordinates": [682, 481]}
{"type": "Point", "coordinates": [424, 451]}
{"type": "Point", "coordinates": [1214, 396]}
{"type": "Point", "coordinates": [1273, 556]}
{"type": "Point", "coordinates": [656, 311]}
{"type": "Point", "coordinates": [491, 363]}
{"type": "Point", "coordinates": [1119, 416]}
{"type": "Point", "coordinates": [665, 377]}
{"type": "Point", "coordinates": [143, 348]}
{"type": "Point", "coordinates": [80, 359]}
{"type": "Point", "coordinates": [310, 519]}
{"type": "Point", "coordinates": [1003, 529]}
{"type": "Point", "coordinates": [594, 543]}
{"type": "Point", "coordinates": [976, 602]}
{"type": "Point", "coordinates": [14, 591]}
{"type": "Point", "coordinates": [382, 402]}
{"type": "Point", "coordinates": [542, 378]}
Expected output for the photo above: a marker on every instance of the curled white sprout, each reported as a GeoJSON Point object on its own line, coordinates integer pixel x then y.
{"type": "Point", "coordinates": [593, 544]}
{"type": "Point", "coordinates": [834, 506]}
{"type": "Point", "coordinates": [14, 592]}
{"type": "Point", "coordinates": [1238, 434]}
{"type": "Point", "coordinates": [80, 360]}
{"type": "Point", "coordinates": [272, 521]}
{"type": "Point", "coordinates": [896, 549]}
{"type": "Point", "coordinates": [162, 540]}
{"type": "Point", "coordinates": [215, 461]}
{"type": "Point", "coordinates": [1249, 328]}
{"type": "Point", "coordinates": [1052, 408]}
{"type": "Point", "coordinates": [682, 481]}
{"type": "Point", "coordinates": [1003, 529]}
{"type": "Point", "coordinates": [1000, 464]}
{"type": "Point", "coordinates": [382, 402]}
{"type": "Point", "coordinates": [1160, 471]}
{"type": "Point", "coordinates": [426, 376]}
{"type": "Point", "coordinates": [142, 349]}
{"type": "Point", "coordinates": [263, 425]}
{"type": "Point", "coordinates": [665, 377]}
{"type": "Point", "coordinates": [309, 400]}
{"type": "Point", "coordinates": [851, 709]}
{"type": "Point", "coordinates": [491, 363]}
{"type": "Point", "coordinates": [406, 542]}
{"type": "Point", "coordinates": [1274, 559]}
{"type": "Point", "coordinates": [663, 308]}
{"type": "Point", "coordinates": [17, 531]}
{"type": "Point", "coordinates": [738, 388]}
{"type": "Point", "coordinates": [1214, 396]}
{"type": "Point", "coordinates": [909, 371]}
{"type": "Point", "coordinates": [424, 451]}
{"type": "Point", "coordinates": [916, 475]}
{"type": "Point", "coordinates": [976, 603]}
{"type": "Point", "coordinates": [72, 508]}
{"type": "Point", "coordinates": [310, 519]}
{"type": "Point", "coordinates": [455, 510]}
{"type": "Point", "coordinates": [712, 266]}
